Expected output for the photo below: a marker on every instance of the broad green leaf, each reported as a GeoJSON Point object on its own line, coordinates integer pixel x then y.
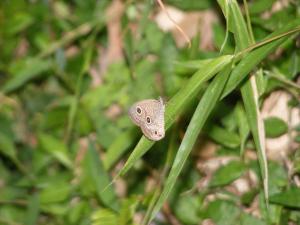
{"type": "Point", "coordinates": [227, 174]}
{"type": "Point", "coordinates": [56, 209]}
{"type": "Point", "coordinates": [104, 217]}
{"type": "Point", "coordinates": [223, 136]}
{"type": "Point", "coordinates": [278, 177]}
{"type": "Point", "coordinates": [223, 212]}
{"type": "Point", "coordinates": [55, 192]}
{"type": "Point", "coordinates": [56, 148]}
{"type": "Point", "coordinates": [260, 6]}
{"type": "Point", "coordinates": [187, 208]}
{"type": "Point", "coordinates": [248, 219]}
{"type": "Point", "coordinates": [176, 105]}
{"type": "Point", "coordinates": [275, 127]}
{"type": "Point", "coordinates": [19, 22]}
{"type": "Point", "coordinates": [203, 110]}
{"type": "Point", "coordinates": [288, 198]}
{"type": "Point", "coordinates": [30, 69]}
{"type": "Point", "coordinates": [77, 211]}
{"type": "Point", "coordinates": [7, 146]}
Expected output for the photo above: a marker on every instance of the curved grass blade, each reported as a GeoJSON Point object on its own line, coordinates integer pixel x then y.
{"type": "Point", "coordinates": [203, 110]}
{"type": "Point", "coordinates": [178, 103]}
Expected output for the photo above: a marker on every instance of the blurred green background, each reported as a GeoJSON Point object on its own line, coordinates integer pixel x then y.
{"type": "Point", "coordinates": [69, 71]}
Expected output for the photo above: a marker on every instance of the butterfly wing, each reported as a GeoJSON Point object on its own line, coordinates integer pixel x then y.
{"type": "Point", "coordinates": [148, 107]}
{"type": "Point", "coordinates": [153, 109]}
{"type": "Point", "coordinates": [156, 130]}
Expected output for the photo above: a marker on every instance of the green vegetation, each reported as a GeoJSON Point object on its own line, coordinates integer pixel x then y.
{"type": "Point", "coordinates": [69, 154]}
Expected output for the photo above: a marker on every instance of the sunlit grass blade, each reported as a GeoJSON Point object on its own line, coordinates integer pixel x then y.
{"type": "Point", "coordinates": [177, 104]}
{"type": "Point", "coordinates": [204, 108]}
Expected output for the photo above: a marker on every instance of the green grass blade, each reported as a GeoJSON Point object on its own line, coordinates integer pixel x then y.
{"type": "Point", "coordinates": [204, 108]}
{"type": "Point", "coordinates": [56, 148]}
{"type": "Point", "coordinates": [119, 146]}
{"type": "Point", "coordinates": [241, 34]}
{"type": "Point", "coordinates": [243, 126]}
{"type": "Point", "coordinates": [250, 95]}
{"type": "Point", "coordinates": [100, 178]}
{"type": "Point", "coordinates": [256, 56]}
{"type": "Point", "coordinates": [33, 209]}
{"type": "Point", "coordinates": [75, 100]}
{"type": "Point", "coordinates": [256, 124]}
{"type": "Point", "coordinates": [177, 104]}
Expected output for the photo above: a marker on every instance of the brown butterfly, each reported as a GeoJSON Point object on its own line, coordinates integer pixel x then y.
{"type": "Point", "coordinates": [149, 116]}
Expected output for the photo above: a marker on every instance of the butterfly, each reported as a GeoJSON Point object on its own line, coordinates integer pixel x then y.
{"type": "Point", "coordinates": [149, 116]}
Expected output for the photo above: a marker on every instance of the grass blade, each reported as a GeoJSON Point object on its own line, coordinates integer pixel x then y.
{"type": "Point", "coordinates": [119, 146]}
{"type": "Point", "coordinates": [177, 104]}
{"type": "Point", "coordinates": [243, 126]}
{"type": "Point", "coordinates": [250, 95]}
{"type": "Point", "coordinates": [256, 124]}
{"type": "Point", "coordinates": [100, 178]}
{"type": "Point", "coordinates": [33, 209]}
{"type": "Point", "coordinates": [204, 108]}
{"type": "Point", "coordinates": [256, 56]}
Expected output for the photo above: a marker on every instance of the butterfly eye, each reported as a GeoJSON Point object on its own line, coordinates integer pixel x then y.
{"type": "Point", "coordinates": [138, 110]}
{"type": "Point", "coordinates": [148, 119]}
